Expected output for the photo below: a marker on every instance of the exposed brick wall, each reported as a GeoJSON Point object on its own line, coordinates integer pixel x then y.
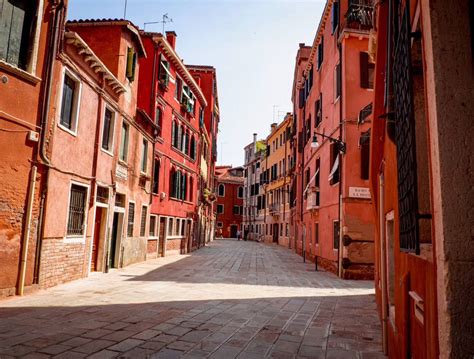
{"type": "Point", "coordinates": [152, 248]}
{"type": "Point", "coordinates": [62, 262]}
{"type": "Point", "coordinates": [175, 245]}
{"type": "Point", "coordinates": [13, 201]}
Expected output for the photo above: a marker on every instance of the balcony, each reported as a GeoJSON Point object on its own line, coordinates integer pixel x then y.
{"type": "Point", "coordinates": [359, 16]}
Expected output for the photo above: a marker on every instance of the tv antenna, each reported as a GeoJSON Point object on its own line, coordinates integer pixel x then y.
{"type": "Point", "coordinates": [125, 10]}
{"type": "Point", "coordinates": [165, 19]}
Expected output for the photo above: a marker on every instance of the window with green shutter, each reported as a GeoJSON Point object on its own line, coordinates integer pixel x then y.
{"type": "Point", "coordinates": [131, 63]}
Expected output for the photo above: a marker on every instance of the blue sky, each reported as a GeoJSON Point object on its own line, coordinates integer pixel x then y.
{"type": "Point", "coordinates": [252, 44]}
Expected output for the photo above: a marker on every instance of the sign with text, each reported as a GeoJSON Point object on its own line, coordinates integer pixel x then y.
{"type": "Point", "coordinates": [359, 192]}
{"type": "Point", "coordinates": [121, 172]}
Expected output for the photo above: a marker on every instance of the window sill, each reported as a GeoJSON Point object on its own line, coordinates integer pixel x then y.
{"type": "Point", "coordinates": [180, 200]}
{"type": "Point", "coordinates": [152, 238]}
{"type": "Point", "coordinates": [121, 162]}
{"type": "Point", "coordinates": [65, 129]}
{"type": "Point", "coordinates": [106, 151]}
{"type": "Point", "coordinates": [177, 150]}
{"type": "Point", "coordinates": [12, 69]}
{"type": "Point", "coordinates": [74, 239]}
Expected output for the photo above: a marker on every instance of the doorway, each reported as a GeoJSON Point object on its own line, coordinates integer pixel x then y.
{"type": "Point", "coordinates": [99, 231]}
{"type": "Point", "coordinates": [233, 230]}
{"type": "Point", "coordinates": [161, 237]}
{"type": "Point", "coordinates": [115, 240]}
{"type": "Point", "coordinates": [275, 232]}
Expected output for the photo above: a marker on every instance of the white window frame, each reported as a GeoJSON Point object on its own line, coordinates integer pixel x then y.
{"type": "Point", "coordinates": [128, 215]}
{"type": "Point", "coordinates": [127, 142]}
{"type": "Point", "coordinates": [153, 235]}
{"type": "Point", "coordinates": [217, 208]}
{"type": "Point", "coordinates": [238, 188]}
{"type": "Point", "coordinates": [112, 129]}
{"type": "Point", "coordinates": [144, 156]}
{"type": "Point", "coordinates": [218, 191]}
{"type": "Point", "coordinates": [146, 221]}
{"type": "Point", "coordinates": [77, 238]}
{"type": "Point", "coordinates": [336, 97]}
{"type": "Point", "coordinates": [76, 103]}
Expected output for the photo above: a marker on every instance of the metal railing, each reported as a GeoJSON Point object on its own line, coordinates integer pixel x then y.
{"type": "Point", "coordinates": [359, 17]}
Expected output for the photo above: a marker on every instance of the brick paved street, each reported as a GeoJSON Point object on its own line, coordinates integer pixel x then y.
{"type": "Point", "coordinates": [230, 299]}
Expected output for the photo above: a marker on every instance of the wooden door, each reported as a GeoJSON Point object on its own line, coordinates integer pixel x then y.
{"type": "Point", "coordinates": [96, 239]}
{"type": "Point", "coordinates": [161, 238]}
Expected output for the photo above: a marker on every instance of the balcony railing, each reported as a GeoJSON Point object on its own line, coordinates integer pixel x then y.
{"type": "Point", "coordinates": [274, 209]}
{"type": "Point", "coordinates": [359, 17]}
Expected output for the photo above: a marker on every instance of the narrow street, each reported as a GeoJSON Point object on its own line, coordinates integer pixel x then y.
{"type": "Point", "coordinates": [230, 299]}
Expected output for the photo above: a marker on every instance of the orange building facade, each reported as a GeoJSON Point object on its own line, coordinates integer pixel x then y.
{"type": "Point", "coordinates": [276, 180]}
{"type": "Point", "coordinates": [332, 95]}
{"type": "Point", "coordinates": [421, 176]}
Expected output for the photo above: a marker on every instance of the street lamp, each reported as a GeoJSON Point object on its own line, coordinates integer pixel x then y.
{"type": "Point", "coordinates": [341, 145]}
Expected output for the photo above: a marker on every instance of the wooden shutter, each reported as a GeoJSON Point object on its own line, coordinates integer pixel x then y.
{"type": "Point", "coordinates": [364, 70]}
{"type": "Point", "coordinates": [365, 155]}
{"type": "Point", "coordinates": [130, 65]}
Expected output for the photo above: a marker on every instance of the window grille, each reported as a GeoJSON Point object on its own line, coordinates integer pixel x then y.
{"type": "Point", "coordinates": [143, 222]}
{"type": "Point", "coordinates": [405, 139]}
{"type": "Point", "coordinates": [131, 218]}
{"type": "Point", "coordinates": [77, 207]}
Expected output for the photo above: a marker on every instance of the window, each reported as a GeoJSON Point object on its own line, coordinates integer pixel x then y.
{"type": "Point", "coordinates": [364, 144]}
{"type": "Point", "coordinates": [178, 88]}
{"type": "Point", "coordinates": [144, 160]}
{"type": "Point", "coordinates": [317, 182]}
{"type": "Point", "coordinates": [143, 221]}
{"type": "Point", "coordinates": [221, 190]}
{"type": "Point", "coordinates": [170, 226]}
{"type": "Point", "coordinates": [159, 119]}
{"type": "Point", "coordinates": [192, 148]}
{"type": "Point", "coordinates": [77, 210]}
{"type": "Point", "coordinates": [153, 232]}
{"type": "Point", "coordinates": [367, 70]}
{"type": "Point", "coordinates": [108, 130]}
{"type": "Point", "coordinates": [164, 73]}
{"type": "Point", "coordinates": [16, 17]}
{"type": "Point", "coordinates": [320, 52]}
{"type": "Point", "coordinates": [335, 233]}
{"type": "Point", "coordinates": [178, 184]}
{"type": "Point", "coordinates": [201, 117]}
{"type": "Point", "coordinates": [318, 111]}
{"type": "Point", "coordinates": [220, 208]}
{"type": "Point", "coordinates": [69, 102]}
{"type": "Point", "coordinates": [131, 218]}
{"type": "Point", "coordinates": [236, 210]}
{"type": "Point", "coordinates": [240, 192]}
{"type": "Point", "coordinates": [131, 63]}
{"type": "Point", "coordinates": [335, 16]}
{"type": "Point", "coordinates": [334, 159]}
{"type": "Point", "coordinates": [124, 142]}
{"type": "Point", "coordinates": [156, 176]}
{"type": "Point", "coordinates": [220, 224]}
{"type": "Point", "coordinates": [337, 82]}
{"type": "Point", "coordinates": [175, 134]}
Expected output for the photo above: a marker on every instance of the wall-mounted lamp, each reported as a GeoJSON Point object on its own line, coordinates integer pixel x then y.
{"type": "Point", "coordinates": [341, 145]}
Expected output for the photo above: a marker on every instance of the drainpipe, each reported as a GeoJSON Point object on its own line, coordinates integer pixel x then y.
{"type": "Point", "coordinates": [57, 12]}
{"type": "Point", "coordinates": [383, 268]}
{"type": "Point", "coordinates": [27, 229]}
{"type": "Point", "coordinates": [302, 186]}
{"type": "Point", "coordinates": [341, 128]}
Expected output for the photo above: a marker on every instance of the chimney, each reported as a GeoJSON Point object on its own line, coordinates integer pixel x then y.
{"type": "Point", "coordinates": [273, 127]}
{"type": "Point", "coordinates": [255, 143]}
{"type": "Point", "coordinates": [302, 44]}
{"type": "Point", "coordinates": [171, 38]}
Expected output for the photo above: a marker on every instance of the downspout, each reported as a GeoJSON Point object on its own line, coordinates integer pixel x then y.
{"type": "Point", "coordinates": [303, 232]}
{"type": "Point", "coordinates": [341, 128]}
{"type": "Point", "coordinates": [57, 10]}
{"type": "Point", "coordinates": [383, 278]}
{"type": "Point", "coordinates": [27, 229]}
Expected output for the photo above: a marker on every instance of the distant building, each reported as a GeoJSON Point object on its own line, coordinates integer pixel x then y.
{"type": "Point", "coordinates": [276, 181]}
{"type": "Point", "coordinates": [229, 204]}
{"type": "Point", "coordinates": [254, 200]}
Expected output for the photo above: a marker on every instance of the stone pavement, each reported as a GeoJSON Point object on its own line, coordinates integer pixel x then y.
{"type": "Point", "coordinates": [230, 299]}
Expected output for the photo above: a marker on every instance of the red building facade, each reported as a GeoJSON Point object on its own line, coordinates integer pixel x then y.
{"type": "Point", "coordinates": [229, 204]}
{"type": "Point", "coordinates": [421, 177]}
{"type": "Point", "coordinates": [172, 99]}
{"type": "Point", "coordinates": [332, 95]}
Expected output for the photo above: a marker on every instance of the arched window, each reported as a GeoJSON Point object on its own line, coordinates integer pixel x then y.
{"type": "Point", "coordinates": [159, 118]}
{"type": "Point", "coordinates": [178, 184]}
{"type": "Point", "coordinates": [221, 190]}
{"type": "Point", "coordinates": [192, 148]}
{"type": "Point", "coordinates": [180, 137]}
{"type": "Point", "coordinates": [240, 192]}
{"type": "Point", "coordinates": [186, 143]}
